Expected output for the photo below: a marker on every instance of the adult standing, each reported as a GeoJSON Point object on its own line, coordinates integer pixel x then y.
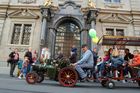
{"type": "Point", "coordinates": [14, 58]}
{"type": "Point", "coordinates": [73, 57]}
{"type": "Point", "coordinates": [95, 57]}
{"type": "Point", "coordinates": [74, 49]}
{"type": "Point", "coordinates": [35, 56]}
{"type": "Point", "coordinates": [28, 54]}
{"type": "Point", "coordinates": [45, 54]}
{"type": "Point", "coordinates": [73, 54]}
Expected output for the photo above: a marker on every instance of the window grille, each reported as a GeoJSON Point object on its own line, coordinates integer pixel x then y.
{"type": "Point", "coordinates": [16, 34]}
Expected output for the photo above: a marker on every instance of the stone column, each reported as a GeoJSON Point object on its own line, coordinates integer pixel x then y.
{"type": "Point", "coordinates": [93, 26]}
{"type": "Point", "coordinates": [43, 31]}
{"type": "Point", "coordinates": [84, 37]}
{"type": "Point", "coordinates": [93, 23]}
{"type": "Point", "coordinates": [44, 28]}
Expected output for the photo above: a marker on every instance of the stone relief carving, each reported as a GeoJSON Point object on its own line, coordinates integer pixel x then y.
{"type": "Point", "coordinates": [27, 1]}
{"type": "Point", "coordinates": [20, 49]}
{"type": "Point", "coordinates": [23, 13]}
{"type": "Point", "coordinates": [114, 17]}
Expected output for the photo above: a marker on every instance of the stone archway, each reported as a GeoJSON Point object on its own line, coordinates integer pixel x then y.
{"type": "Point", "coordinates": [68, 34]}
{"type": "Point", "coordinates": [67, 15]}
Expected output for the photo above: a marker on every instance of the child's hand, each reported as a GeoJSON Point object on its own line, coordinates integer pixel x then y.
{"type": "Point", "coordinates": [107, 65]}
{"type": "Point", "coordinates": [124, 64]}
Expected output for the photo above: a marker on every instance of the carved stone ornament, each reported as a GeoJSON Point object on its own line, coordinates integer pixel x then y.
{"type": "Point", "coordinates": [23, 13]}
{"type": "Point", "coordinates": [115, 18]}
{"type": "Point", "coordinates": [48, 3]}
{"type": "Point", "coordinates": [20, 49]}
{"type": "Point", "coordinates": [27, 1]}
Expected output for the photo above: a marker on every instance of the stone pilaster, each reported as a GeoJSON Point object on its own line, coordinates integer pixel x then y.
{"type": "Point", "coordinates": [45, 18]}
{"type": "Point", "coordinates": [91, 19]}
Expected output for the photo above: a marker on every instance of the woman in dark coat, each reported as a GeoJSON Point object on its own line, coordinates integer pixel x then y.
{"type": "Point", "coordinates": [14, 58]}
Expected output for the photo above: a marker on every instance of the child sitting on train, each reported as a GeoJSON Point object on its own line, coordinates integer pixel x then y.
{"type": "Point", "coordinates": [135, 63]}
{"type": "Point", "coordinates": [102, 64]}
{"type": "Point", "coordinates": [136, 60]}
{"type": "Point", "coordinates": [98, 67]}
{"type": "Point", "coordinates": [116, 61]}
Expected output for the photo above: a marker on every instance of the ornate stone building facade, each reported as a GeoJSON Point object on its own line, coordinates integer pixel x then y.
{"type": "Point", "coordinates": [118, 17]}
{"type": "Point", "coordinates": [61, 23]}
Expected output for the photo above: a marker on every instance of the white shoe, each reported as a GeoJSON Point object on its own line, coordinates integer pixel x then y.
{"type": "Point", "coordinates": [123, 81]}
{"type": "Point", "coordinates": [19, 77]}
{"type": "Point", "coordinates": [126, 76]}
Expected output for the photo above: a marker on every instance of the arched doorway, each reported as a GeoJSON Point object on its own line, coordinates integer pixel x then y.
{"type": "Point", "coordinates": [68, 34]}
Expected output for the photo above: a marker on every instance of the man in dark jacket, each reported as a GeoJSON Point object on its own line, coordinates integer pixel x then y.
{"type": "Point", "coordinates": [127, 58]}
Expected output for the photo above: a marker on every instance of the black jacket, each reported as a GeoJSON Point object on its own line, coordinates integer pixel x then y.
{"type": "Point", "coordinates": [73, 58]}
{"type": "Point", "coordinates": [128, 56]}
{"type": "Point", "coordinates": [11, 56]}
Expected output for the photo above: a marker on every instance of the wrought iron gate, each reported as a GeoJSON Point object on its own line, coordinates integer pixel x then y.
{"type": "Point", "coordinates": [67, 34]}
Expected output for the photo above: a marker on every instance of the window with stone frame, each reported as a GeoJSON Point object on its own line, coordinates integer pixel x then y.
{"type": "Point", "coordinates": [112, 1]}
{"type": "Point", "coordinates": [110, 31]}
{"type": "Point", "coordinates": [16, 34]}
{"type": "Point", "coordinates": [120, 32]}
{"type": "Point", "coordinates": [115, 32]}
{"type": "Point", "coordinates": [21, 34]}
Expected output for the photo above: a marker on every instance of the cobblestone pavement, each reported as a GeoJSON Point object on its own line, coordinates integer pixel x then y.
{"type": "Point", "coordinates": [14, 85]}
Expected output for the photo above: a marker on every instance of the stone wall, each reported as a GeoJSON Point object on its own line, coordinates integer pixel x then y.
{"type": "Point", "coordinates": [135, 5]}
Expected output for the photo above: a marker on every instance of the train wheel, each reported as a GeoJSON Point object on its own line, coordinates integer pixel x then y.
{"type": "Point", "coordinates": [40, 78]}
{"type": "Point", "coordinates": [67, 77]}
{"type": "Point", "coordinates": [31, 78]}
{"type": "Point", "coordinates": [103, 83]}
{"type": "Point", "coordinates": [110, 84]}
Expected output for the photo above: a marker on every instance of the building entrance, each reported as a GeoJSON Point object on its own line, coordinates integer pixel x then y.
{"type": "Point", "coordinates": [68, 34]}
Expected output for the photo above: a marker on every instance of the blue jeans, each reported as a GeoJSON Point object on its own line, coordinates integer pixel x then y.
{"type": "Point", "coordinates": [80, 70]}
{"type": "Point", "coordinates": [28, 68]}
{"type": "Point", "coordinates": [24, 71]}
